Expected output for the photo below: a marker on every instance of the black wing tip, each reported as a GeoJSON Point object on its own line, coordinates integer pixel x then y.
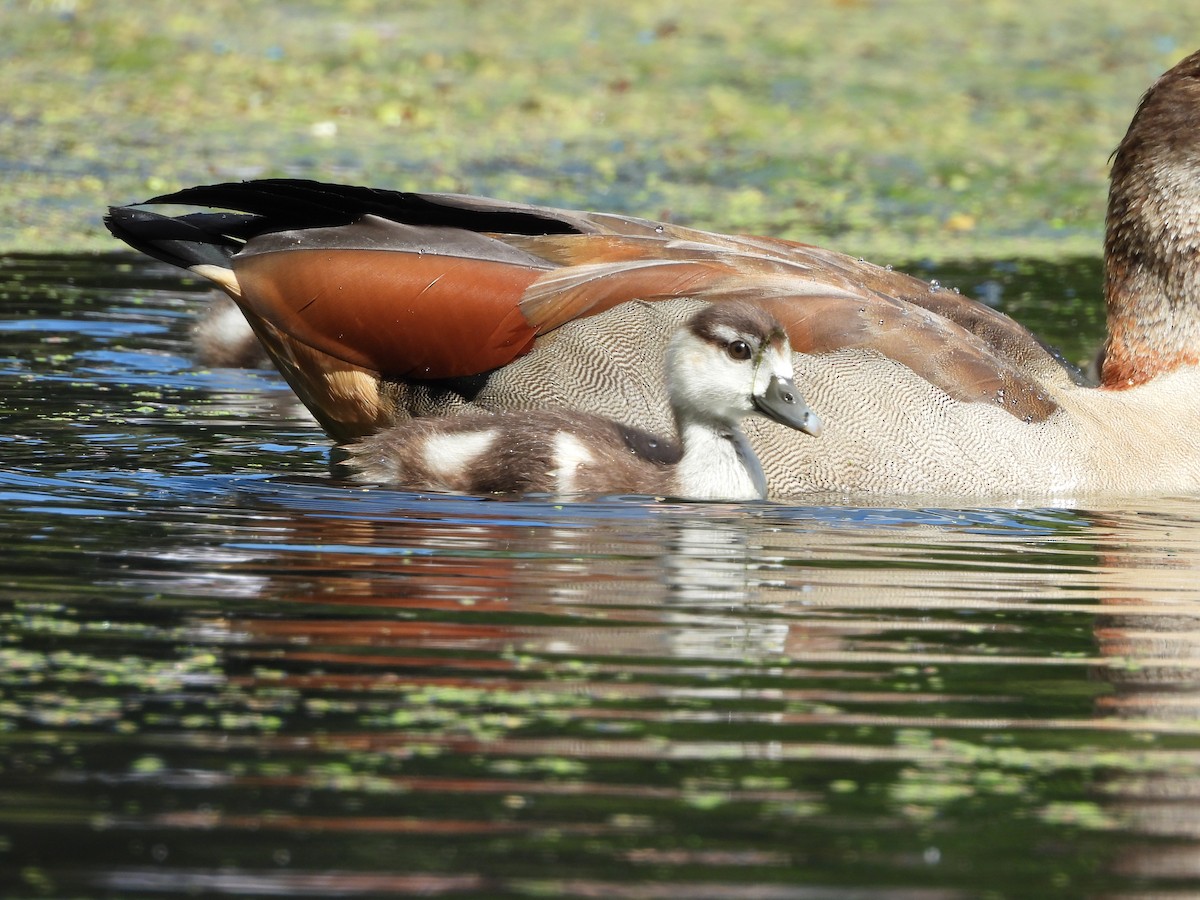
{"type": "Point", "coordinates": [183, 241]}
{"type": "Point", "coordinates": [285, 204]}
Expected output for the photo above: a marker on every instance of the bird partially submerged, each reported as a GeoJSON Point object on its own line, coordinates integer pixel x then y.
{"type": "Point", "coordinates": [728, 362]}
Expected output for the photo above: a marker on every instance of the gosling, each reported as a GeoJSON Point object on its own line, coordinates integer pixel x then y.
{"type": "Point", "coordinates": [729, 361]}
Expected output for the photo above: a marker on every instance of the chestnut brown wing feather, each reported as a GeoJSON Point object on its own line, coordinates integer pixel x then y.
{"type": "Point", "coordinates": [748, 267]}
{"type": "Point", "coordinates": [399, 313]}
{"type": "Point", "coordinates": [942, 352]}
{"type": "Point", "coordinates": [405, 301]}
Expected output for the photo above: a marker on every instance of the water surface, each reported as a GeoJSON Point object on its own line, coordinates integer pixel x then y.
{"type": "Point", "coordinates": [224, 673]}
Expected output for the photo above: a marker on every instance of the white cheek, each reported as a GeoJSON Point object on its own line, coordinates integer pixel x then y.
{"type": "Point", "coordinates": [728, 388]}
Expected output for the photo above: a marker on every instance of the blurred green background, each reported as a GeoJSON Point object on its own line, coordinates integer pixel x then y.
{"type": "Point", "coordinates": [894, 130]}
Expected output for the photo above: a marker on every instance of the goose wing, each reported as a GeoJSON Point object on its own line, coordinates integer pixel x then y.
{"type": "Point", "coordinates": [391, 285]}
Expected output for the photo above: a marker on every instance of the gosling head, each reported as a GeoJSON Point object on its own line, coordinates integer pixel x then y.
{"type": "Point", "coordinates": [733, 360]}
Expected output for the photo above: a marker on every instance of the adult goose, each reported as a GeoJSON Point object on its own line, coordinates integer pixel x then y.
{"type": "Point", "coordinates": [727, 362]}
{"type": "Point", "coordinates": [378, 306]}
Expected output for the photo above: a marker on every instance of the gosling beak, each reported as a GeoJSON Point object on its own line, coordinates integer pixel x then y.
{"type": "Point", "coordinates": [783, 403]}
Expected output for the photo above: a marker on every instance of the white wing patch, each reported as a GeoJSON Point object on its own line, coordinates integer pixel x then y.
{"type": "Point", "coordinates": [447, 455]}
{"type": "Point", "coordinates": [569, 454]}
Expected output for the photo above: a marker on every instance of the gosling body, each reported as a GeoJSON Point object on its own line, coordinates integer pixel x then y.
{"type": "Point", "coordinates": [727, 363]}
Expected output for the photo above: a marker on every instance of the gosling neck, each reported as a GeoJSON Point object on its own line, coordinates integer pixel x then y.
{"type": "Point", "coordinates": [718, 463]}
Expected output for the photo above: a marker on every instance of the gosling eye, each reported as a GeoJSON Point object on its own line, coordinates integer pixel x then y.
{"type": "Point", "coordinates": [738, 350]}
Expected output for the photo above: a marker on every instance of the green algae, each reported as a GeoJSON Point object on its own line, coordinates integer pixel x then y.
{"type": "Point", "coordinates": [890, 129]}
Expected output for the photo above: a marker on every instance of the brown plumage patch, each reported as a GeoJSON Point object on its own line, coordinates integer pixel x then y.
{"type": "Point", "coordinates": [403, 314]}
{"type": "Point", "coordinates": [942, 352]}
{"type": "Point", "coordinates": [347, 400]}
{"type": "Point", "coordinates": [1152, 260]}
{"type": "Point", "coordinates": [522, 457]}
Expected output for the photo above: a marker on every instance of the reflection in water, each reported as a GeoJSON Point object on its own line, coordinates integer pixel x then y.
{"type": "Point", "coordinates": [1151, 568]}
{"type": "Point", "coordinates": [224, 673]}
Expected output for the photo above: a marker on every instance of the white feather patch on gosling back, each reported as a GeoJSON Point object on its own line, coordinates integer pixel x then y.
{"type": "Point", "coordinates": [569, 454]}
{"type": "Point", "coordinates": [448, 454]}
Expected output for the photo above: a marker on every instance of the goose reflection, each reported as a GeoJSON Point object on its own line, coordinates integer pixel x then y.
{"type": "Point", "coordinates": [934, 636]}
{"type": "Point", "coordinates": [1150, 638]}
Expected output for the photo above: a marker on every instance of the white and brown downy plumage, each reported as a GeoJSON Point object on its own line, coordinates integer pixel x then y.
{"type": "Point", "coordinates": [379, 306]}
{"type": "Point", "coordinates": [728, 362]}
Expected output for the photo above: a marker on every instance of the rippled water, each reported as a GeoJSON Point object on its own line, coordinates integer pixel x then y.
{"type": "Point", "coordinates": [224, 673]}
